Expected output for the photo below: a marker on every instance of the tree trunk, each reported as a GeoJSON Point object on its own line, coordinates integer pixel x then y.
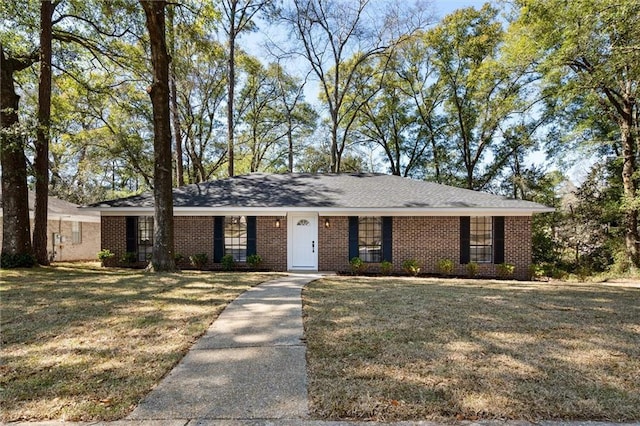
{"type": "Point", "coordinates": [162, 258]}
{"type": "Point", "coordinates": [632, 239]}
{"type": "Point", "coordinates": [16, 231]}
{"type": "Point", "coordinates": [41, 161]}
{"type": "Point", "coordinates": [175, 115]}
{"type": "Point", "coordinates": [231, 83]}
{"type": "Point", "coordinates": [290, 140]}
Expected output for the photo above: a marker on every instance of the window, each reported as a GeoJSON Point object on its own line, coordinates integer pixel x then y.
{"type": "Point", "coordinates": [145, 238]}
{"type": "Point", "coordinates": [370, 239]}
{"type": "Point", "coordinates": [76, 232]}
{"type": "Point", "coordinates": [481, 240]}
{"type": "Point", "coordinates": [235, 237]}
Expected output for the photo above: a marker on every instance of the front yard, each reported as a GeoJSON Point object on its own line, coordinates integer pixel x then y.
{"type": "Point", "coordinates": [81, 342]}
{"type": "Point", "coordinates": [405, 349]}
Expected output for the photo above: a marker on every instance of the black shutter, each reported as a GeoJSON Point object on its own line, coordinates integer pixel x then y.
{"type": "Point", "coordinates": [353, 237]}
{"type": "Point", "coordinates": [387, 231]}
{"type": "Point", "coordinates": [132, 234]}
{"type": "Point", "coordinates": [218, 238]}
{"type": "Point", "coordinates": [498, 240]}
{"type": "Point", "coordinates": [465, 239]}
{"type": "Point", "coordinates": [251, 235]}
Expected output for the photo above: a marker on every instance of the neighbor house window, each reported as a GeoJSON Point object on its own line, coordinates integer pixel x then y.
{"type": "Point", "coordinates": [145, 238]}
{"type": "Point", "coordinates": [76, 232]}
{"type": "Point", "coordinates": [235, 237]}
{"type": "Point", "coordinates": [481, 239]}
{"type": "Point", "coordinates": [370, 239]}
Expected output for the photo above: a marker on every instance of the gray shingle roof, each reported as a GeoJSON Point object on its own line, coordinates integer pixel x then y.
{"type": "Point", "coordinates": [347, 191]}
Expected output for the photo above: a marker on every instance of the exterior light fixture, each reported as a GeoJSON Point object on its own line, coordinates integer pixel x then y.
{"type": "Point", "coordinates": [277, 224]}
{"type": "Point", "coordinates": [327, 224]}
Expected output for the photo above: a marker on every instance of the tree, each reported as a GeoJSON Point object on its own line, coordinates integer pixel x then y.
{"type": "Point", "coordinates": [588, 52]}
{"type": "Point", "coordinates": [162, 258]}
{"type": "Point", "coordinates": [16, 231]}
{"type": "Point", "coordinates": [41, 161]}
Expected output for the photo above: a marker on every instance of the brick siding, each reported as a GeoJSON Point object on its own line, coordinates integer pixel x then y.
{"type": "Point", "coordinates": [424, 238]}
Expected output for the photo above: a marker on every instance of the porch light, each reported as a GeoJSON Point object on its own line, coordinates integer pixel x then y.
{"type": "Point", "coordinates": [277, 224]}
{"type": "Point", "coordinates": [327, 223]}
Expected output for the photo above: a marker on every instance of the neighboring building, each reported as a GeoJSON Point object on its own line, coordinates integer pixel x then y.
{"type": "Point", "coordinates": [72, 234]}
{"type": "Point", "coordinates": [320, 222]}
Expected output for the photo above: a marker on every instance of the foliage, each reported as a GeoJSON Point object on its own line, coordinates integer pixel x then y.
{"type": "Point", "coordinates": [129, 257]}
{"type": "Point", "coordinates": [411, 267]}
{"type": "Point", "coordinates": [358, 266]}
{"type": "Point", "coordinates": [445, 266]}
{"type": "Point", "coordinates": [199, 260]}
{"type": "Point", "coordinates": [386, 267]}
{"type": "Point", "coordinates": [505, 270]}
{"type": "Point", "coordinates": [104, 255]}
{"type": "Point", "coordinates": [254, 260]}
{"type": "Point", "coordinates": [536, 271]}
{"type": "Point", "coordinates": [472, 269]}
{"type": "Point", "coordinates": [20, 260]}
{"type": "Point", "coordinates": [228, 263]}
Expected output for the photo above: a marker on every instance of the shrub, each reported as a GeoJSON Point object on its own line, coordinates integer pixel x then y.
{"type": "Point", "coordinates": [254, 260]}
{"type": "Point", "coordinates": [536, 272]}
{"type": "Point", "coordinates": [17, 261]}
{"type": "Point", "coordinates": [472, 269]}
{"type": "Point", "coordinates": [357, 265]}
{"type": "Point", "coordinates": [411, 267]}
{"type": "Point", "coordinates": [178, 257]}
{"type": "Point", "coordinates": [228, 264]}
{"type": "Point", "coordinates": [506, 270]}
{"type": "Point", "coordinates": [386, 267]}
{"type": "Point", "coordinates": [104, 255]}
{"type": "Point", "coordinates": [198, 260]}
{"type": "Point", "coordinates": [129, 257]}
{"type": "Point", "coordinates": [445, 266]}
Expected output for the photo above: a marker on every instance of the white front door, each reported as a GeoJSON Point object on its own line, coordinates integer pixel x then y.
{"type": "Point", "coordinates": [303, 242]}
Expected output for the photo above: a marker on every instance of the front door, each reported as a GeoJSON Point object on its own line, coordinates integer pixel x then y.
{"type": "Point", "coordinates": [303, 245]}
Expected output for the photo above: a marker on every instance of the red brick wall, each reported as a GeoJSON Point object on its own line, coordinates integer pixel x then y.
{"type": "Point", "coordinates": [427, 239]}
{"type": "Point", "coordinates": [271, 242]}
{"type": "Point", "coordinates": [333, 244]}
{"type": "Point", "coordinates": [113, 236]}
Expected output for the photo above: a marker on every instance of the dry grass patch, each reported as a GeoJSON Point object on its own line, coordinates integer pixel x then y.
{"type": "Point", "coordinates": [84, 343]}
{"type": "Point", "coordinates": [405, 349]}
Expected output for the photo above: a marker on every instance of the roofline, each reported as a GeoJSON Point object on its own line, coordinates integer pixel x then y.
{"type": "Point", "coordinates": [327, 211]}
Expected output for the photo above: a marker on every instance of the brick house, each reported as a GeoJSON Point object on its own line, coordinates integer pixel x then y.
{"type": "Point", "coordinates": [320, 222]}
{"type": "Point", "coordinates": [72, 234]}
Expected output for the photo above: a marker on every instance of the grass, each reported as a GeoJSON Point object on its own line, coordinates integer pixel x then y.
{"type": "Point", "coordinates": [81, 343]}
{"type": "Point", "coordinates": [390, 349]}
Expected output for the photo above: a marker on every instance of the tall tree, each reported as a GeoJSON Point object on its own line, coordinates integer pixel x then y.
{"type": "Point", "coordinates": [41, 161]}
{"type": "Point", "coordinates": [239, 18]}
{"type": "Point", "coordinates": [16, 232]}
{"type": "Point", "coordinates": [162, 258]}
{"type": "Point", "coordinates": [175, 115]}
{"type": "Point", "coordinates": [588, 52]}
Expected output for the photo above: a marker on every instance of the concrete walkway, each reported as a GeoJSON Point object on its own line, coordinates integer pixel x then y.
{"type": "Point", "coordinates": [249, 365]}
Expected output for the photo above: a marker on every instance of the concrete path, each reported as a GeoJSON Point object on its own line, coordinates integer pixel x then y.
{"type": "Point", "coordinates": [249, 365]}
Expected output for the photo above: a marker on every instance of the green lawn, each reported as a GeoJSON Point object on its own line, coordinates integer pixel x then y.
{"type": "Point", "coordinates": [408, 349]}
{"type": "Point", "coordinates": [81, 342]}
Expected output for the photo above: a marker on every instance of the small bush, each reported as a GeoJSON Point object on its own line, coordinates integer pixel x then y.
{"type": "Point", "coordinates": [386, 267]}
{"type": "Point", "coordinates": [8, 261]}
{"type": "Point", "coordinates": [254, 260]}
{"type": "Point", "coordinates": [129, 257]}
{"type": "Point", "coordinates": [228, 264]}
{"type": "Point", "coordinates": [536, 272]}
{"type": "Point", "coordinates": [445, 266]}
{"type": "Point", "coordinates": [411, 267]}
{"type": "Point", "coordinates": [506, 270]}
{"type": "Point", "coordinates": [199, 260]}
{"type": "Point", "coordinates": [104, 255]}
{"type": "Point", "coordinates": [358, 266]}
{"type": "Point", "coordinates": [472, 269]}
{"type": "Point", "coordinates": [178, 257]}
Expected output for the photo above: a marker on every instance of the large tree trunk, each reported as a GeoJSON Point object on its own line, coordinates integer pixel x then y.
{"type": "Point", "coordinates": [16, 231]}
{"type": "Point", "coordinates": [41, 162]}
{"type": "Point", "coordinates": [632, 239]}
{"type": "Point", "coordinates": [175, 114]}
{"type": "Point", "coordinates": [162, 258]}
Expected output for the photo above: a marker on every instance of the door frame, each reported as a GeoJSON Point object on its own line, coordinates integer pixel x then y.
{"type": "Point", "coordinates": [291, 218]}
